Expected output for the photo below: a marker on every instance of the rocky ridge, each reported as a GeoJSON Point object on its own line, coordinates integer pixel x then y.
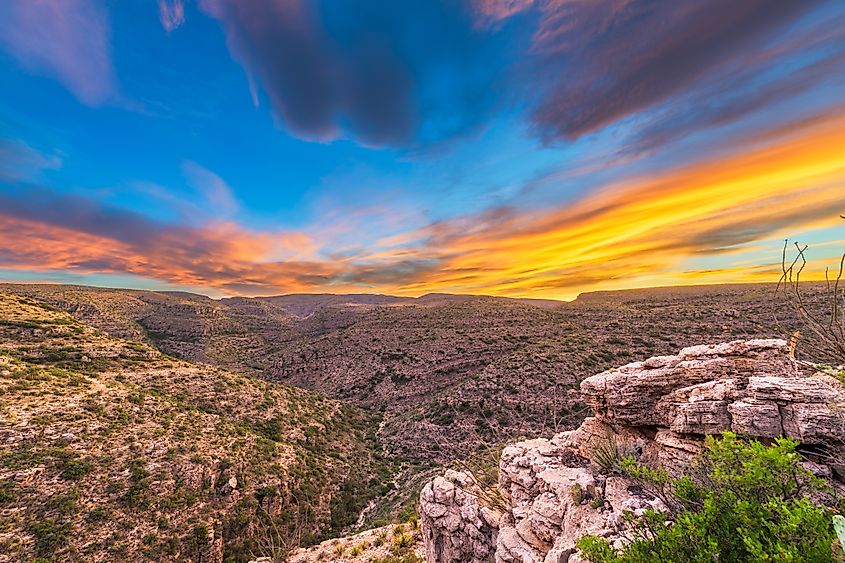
{"type": "Point", "coordinates": [661, 408]}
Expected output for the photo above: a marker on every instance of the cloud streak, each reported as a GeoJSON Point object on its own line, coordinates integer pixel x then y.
{"type": "Point", "coordinates": [20, 161]}
{"type": "Point", "coordinates": [619, 57]}
{"type": "Point", "coordinates": [211, 187]}
{"type": "Point", "coordinates": [575, 67]}
{"type": "Point", "coordinates": [381, 73]}
{"type": "Point", "coordinates": [415, 74]}
{"type": "Point", "coordinates": [310, 81]}
{"type": "Point", "coordinates": [641, 231]}
{"type": "Point", "coordinates": [635, 232]}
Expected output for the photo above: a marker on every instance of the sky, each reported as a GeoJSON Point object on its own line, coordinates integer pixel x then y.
{"type": "Point", "coordinates": [526, 148]}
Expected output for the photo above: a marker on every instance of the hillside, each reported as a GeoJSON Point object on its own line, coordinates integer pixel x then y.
{"type": "Point", "coordinates": [442, 368]}
{"type": "Point", "coordinates": [111, 450]}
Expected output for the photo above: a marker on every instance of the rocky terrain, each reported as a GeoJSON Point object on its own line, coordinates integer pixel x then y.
{"type": "Point", "coordinates": [189, 400]}
{"type": "Point", "coordinates": [550, 492]}
{"type": "Point", "coordinates": [113, 451]}
{"type": "Point", "coordinates": [442, 368]}
{"type": "Point", "coordinates": [399, 543]}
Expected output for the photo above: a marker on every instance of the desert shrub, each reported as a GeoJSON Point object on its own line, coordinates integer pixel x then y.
{"type": "Point", "coordinates": [7, 492]}
{"type": "Point", "coordinates": [49, 535]}
{"type": "Point", "coordinates": [577, 493]}
{"type": "Point", "coordinates": [99, 514]}
{"type": "Point", "coordinates": [743, 501]}
{"type": "Point", "coordinates": [270, 429]}
{"type": "Point", "coordinates": [62, 502]}
{"type": "Point", "coordinates": [75, 469]}
{"type": "Point", "coordinates": [402, 543]}
{"type": "Point", "coordinates": [138, 484]}
{"type": "Point", "coordinates": [406, 558]}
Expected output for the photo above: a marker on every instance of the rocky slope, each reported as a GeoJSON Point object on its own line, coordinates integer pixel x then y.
{"type": "Point", "coordinates": [398, 543]}
{"type": "Point", "coordinates": [110, 450]}
{"type": "Point", "coordinates": [549, 491]}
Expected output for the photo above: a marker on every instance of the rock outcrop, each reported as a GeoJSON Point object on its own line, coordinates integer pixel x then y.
{"type": "Point", "coordinates": [377, 544]}
{"type": "Point", "coordinates": [661, 408]}
{"type": "Point", "coordinates": [457, 527]}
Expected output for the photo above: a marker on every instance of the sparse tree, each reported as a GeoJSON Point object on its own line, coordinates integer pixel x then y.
{"type": "Point", "coordinates": [823, 331]}
{"type": "Point", "coordinates": [272, 540]}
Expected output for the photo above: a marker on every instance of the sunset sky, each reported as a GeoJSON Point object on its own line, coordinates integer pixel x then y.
{"type": "Point", "coordinates": [534, 148]}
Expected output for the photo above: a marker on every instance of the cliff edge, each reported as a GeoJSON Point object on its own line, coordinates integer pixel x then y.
{"type": "Point", "coordinates": [552, 491]}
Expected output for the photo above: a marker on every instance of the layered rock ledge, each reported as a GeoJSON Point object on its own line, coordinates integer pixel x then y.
{"type": "Point", "coordinates": [662, 408]}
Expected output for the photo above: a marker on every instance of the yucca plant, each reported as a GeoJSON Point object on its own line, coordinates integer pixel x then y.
{"type": "Point", "coordinates": [608, 454]}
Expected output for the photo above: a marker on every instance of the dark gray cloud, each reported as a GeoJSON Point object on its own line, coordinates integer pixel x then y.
{"type": "Point", "coordinates": [381, 72]}
{"type": "Point", "coordinates": [614, 58]}
{"type": "Point", "coordinates": [418, 72]}
{"type": "Point", "coordinates": [741, 93]}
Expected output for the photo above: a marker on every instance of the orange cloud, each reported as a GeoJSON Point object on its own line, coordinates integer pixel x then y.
{"type": "Point", "coordinates": [643, 231]}
{"type": "Point", "coordinates": [640, 231]}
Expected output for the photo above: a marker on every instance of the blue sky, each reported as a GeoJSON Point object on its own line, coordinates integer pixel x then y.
{"type": "Point", "coordinates": [480, 146]}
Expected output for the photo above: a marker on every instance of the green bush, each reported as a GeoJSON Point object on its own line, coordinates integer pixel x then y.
{"type": "Point", "coordinates": [7, 492]}
{"type": "Point", "coordinates": [49, 535]}
{"type": "Point", "coordinates": [75, 469]}
{"type": "Point", "coordinates": [743, 501]}
{"type": "Point", "coordinates": [138, 484]}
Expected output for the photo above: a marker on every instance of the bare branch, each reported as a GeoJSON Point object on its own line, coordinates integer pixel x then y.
{"type": "Point", "coordinates": [823, 334]}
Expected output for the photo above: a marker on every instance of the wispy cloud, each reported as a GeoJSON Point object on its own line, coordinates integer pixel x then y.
{"type": "Point", "coordinates": [491, 12]}
{"type": "Point", "coordinates": [616, 58]}
{"type": "Point", "coordinates": [379, 72]}
{"type": "Point", "coordinates": [639, 231]}
{"type": "Point", "coordinates": [68, 40]}
{"type": "Point", "coordinates": [211, 187]}
{"type": "Point", "coordinates": [574, 66]}
{"type": "Point", "coordinates": [20, 161]}
{"type": "Point", "coordinates": [171, 13]}
{"type": "Point", "coordinates": [309, 81]}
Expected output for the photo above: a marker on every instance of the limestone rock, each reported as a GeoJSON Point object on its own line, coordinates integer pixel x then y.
{"type": "Point", "coordinates": [512, 548]}
{"type": "Point", "coordinates": [661, 409]}
{"type": "Point", "coordinates": [629, 395]}
{"type": "Point", "coordinates": [456, 528]}
{"type": "Point", "coordinates": [756, 419]}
